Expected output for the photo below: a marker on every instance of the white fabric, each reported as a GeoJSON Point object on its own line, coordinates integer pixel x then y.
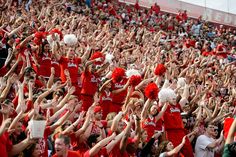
{"type": "Point", "coordinates": [162, 154]}
{"type": "Point", "coordinates": [201, 149]}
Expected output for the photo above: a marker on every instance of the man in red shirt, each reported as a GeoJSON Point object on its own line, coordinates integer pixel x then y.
{"type": "Point", "coordinates": [62, 145]}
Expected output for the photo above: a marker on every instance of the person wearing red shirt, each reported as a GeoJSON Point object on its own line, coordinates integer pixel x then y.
{"type": "Point", "coordinates": [152, 122]}
{"type": "Point", "coordinates": [105, 96]}
{"type": "Point", "coordinates": [44, 61]}
{"type": "Point", "coordinates": [184, 15]}
{"type": "Point", "coordinates": [70, 67]}
{"type": "Point", "coordinates": [120, 94]}
{"type": "Point", "coordinates": [174, 125]}
{"type": "Point", "coordinates": [90, 79]}
{"type": "Point", "coordinates": [62, 145]}
{"type": "Point", "coordinates": [55, 64]}
{"type": "Point", "coordinates": [90, 82]}
{"type": "Point", "coordinates": [136, 6]}
{"type": "Point", "coordinates": [156, 8]}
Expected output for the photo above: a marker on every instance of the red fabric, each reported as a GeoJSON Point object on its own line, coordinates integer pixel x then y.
{"type": "Point", "coordinates": [151, 125]}
{"type": "Point", "coordinates": [72, 66]}
{"type": "Point", "coordinates": [5, 144]}
{"type": "Point", "coordinates": [3, 71]}
{"type": "Point", "coordinates": [115, 152]}
{"type": "Point", "coordinates": [172, 117]}
{"type": "Point", "coordinates": [89, 83]}
{"type": "Point", "coordinates": [102, 152]}
{"type": "Point", "coordinates": [227, 124]}
{"type": "Point", "coordinates": [55, 64]}
{"type": "Point", "coordinates": [156, 8]}
{"type": "Point", "coordinates": [175, 136]}
{"type": "Point", "coordinates": [87, 101]}
{"type": "Point", "coordinates": [45, 65]}
{"type": "Point", "coordinates": [184, 16]}
{"type": "Point", "coordinates": [221, 47]}
{"type": "Point", "coordinates": [207, 53]}
{"type": "Point", "coordinates": [105, 102]}
{"type": "Point", "coordinates": [29, 105]}
{"type": "Point", "coordinates": [120, 97]}
{"type": "Point", "coordinates": [136, 6]}
{"type": "Point", "coordinates": [71, 154]}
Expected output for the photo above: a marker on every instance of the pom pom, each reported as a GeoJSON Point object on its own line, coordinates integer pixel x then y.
{"type": "Point", "coordinates": [108, 58]}
{"type": "Point", "coordinates": [135, 80]}
{"type": "Point", "coordinates": [49, 39]}
{"type": "Point", "coordinates": [70, 39]}
{"type": "Point", "coordinates": [132, 72]}
{"type": "Point", "coordinates": [160, 70]}
{"type": "Point", "coordinates": [98, 55]}
{"type": "Point", "coordinates": [166, 94]}
{"type": "Point", "coordinates": [57, 32]}
{"type": "Point", "coordinates": [38, 37]}
{"type": "Point", "coordinates": [151, 91]}
{"type": "Point", "coordinates": [181, 82]}
{"type": "Point", "coordinates": [118, 74]}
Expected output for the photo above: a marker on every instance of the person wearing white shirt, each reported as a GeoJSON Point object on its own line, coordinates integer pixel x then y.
{"type": "Point", "coordinates": [205, 145]}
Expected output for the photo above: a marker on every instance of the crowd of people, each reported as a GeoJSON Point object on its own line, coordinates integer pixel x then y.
{"type": "Point", "coordinates": [111, 79]}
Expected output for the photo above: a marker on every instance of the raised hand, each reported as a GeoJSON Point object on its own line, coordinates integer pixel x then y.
{"type": "Point", "coordinates": [71, 90]}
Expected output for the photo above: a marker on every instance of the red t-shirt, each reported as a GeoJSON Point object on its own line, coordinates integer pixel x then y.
{"type": "Point", "coordinates": [5, 144]}
{"type": "Point", "coordinates": [56, 66]}
{"type": "Point", "coordinates": [70, 154]}
{"type": "Point", "coordinates": [120, 97]}
{"type": "Point", "coordinates": [101, 153]}
{"type": "Point", "coordinates": [45, 65]}
{"type": "Point", "coordinates": [117, 153]}
{"type": "Point", "coordinates": [205, 53]}
{"type": "Point", "coordinates": [72, 66]}
{"type": "Point", "coordinates": [151, 125]}
{"type": "Point", "coordinates": [156, 9]}
{"type": "Point", "coordinates": [3, 71]}
{"type": "Point", "coordinates": [105, 102]}
{"type": "Point", "coordinates": [172, 117]}
{"type": "Point", "coordinates": [89, 83]}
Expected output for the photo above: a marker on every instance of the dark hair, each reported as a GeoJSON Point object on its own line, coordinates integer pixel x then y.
{"type": "Point", "coordinates": [209, 123]}
{"type": "Point", "coordinates": [232, 149]}
{"type": "Point", "coordinates": [65, 138]}
{"type": "Point", "coordinates": [7, 101]}
{"type": "Point", "coordinates": [92, 139]}
{"type": "Point", "coordinates": [29, 151]}
{"type": "Point", "coordinates": [28, 70]}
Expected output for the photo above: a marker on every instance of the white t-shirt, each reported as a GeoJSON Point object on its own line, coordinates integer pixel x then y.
{"type": "Point", "coordinates": [162, 154]}
{"type": "Point", "coordinates": [201, 149]}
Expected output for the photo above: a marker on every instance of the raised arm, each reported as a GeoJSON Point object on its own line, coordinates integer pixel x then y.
{"type": "Point", "coordinates": [115, 122]}
{"type": "Point", "coordinates": [100, 145]}
{"type": "Point", "coordinates": [176, 149]}
{"type": "Point", "coordinates": [144, 112]}
{"type": "Point", "coordinates": [86, 54]}
{"type": "Point", "coordinates": [185, 96]}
